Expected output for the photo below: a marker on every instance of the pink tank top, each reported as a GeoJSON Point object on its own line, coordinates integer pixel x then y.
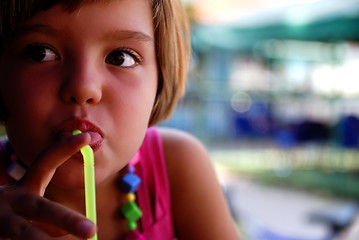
{"type": "Point", "coordinates": [153, 193]}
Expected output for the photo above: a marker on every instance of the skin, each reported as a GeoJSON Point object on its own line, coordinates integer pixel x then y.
{"type": "Point", "coordinates": [78, 81]}
{"type": "Point", "coordinates": [199, 207]}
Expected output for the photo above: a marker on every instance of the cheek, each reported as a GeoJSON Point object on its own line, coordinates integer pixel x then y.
{"type": "Point", "coordinates": [137, 94]}
{"type": "Point", "coordinates": [28, 103]}
{"type": "Point", "coordinates": [130, 108]}
{"type": "Point", "coordinates": [23, 86]}
{"type": "Point", "coordinates": [26, 109]}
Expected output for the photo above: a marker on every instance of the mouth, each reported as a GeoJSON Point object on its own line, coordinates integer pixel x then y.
{"type": "Point", "coordinates": [65, 130]}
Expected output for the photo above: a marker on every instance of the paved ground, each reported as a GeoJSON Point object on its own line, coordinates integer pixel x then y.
{"type": "Point", "coordinates": [274, 213]}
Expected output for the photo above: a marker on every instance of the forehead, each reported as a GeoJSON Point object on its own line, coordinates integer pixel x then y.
{"type": "Point", "coordinates": [106, 12]}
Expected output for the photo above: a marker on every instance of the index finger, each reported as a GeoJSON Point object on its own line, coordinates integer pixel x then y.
{"type": "Point", "coordinates": [41, 171]}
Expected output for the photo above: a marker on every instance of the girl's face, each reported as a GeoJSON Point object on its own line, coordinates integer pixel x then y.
{"type": "Point", "coordinates": [93, 69]}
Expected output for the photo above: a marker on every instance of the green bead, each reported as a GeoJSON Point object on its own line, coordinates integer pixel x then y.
{"type": "Point", "coordinates": [132, 226]}
{"type": "Point", "coordinates": [131, 211]}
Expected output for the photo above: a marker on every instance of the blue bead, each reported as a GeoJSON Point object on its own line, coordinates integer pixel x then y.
{"type": "Point", "coordinates": [130, 183]}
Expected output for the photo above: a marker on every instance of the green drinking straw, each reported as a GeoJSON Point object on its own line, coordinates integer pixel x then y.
{"type": "Point", "coordinates": [89, 172]}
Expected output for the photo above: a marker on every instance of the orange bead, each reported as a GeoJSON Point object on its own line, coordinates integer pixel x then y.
{"type": "Point", "coordinates": [131, 197]}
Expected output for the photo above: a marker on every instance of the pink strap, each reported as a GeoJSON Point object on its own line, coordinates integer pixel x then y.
{"type": "Point", "coordinates": [153, 193]}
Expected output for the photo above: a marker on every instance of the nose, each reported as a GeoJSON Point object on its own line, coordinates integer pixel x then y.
{"type": "Point", "coordinates": [81, 85]}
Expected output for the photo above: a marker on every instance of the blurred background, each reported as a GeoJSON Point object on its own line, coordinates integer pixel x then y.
{"type": "Point", "coordinates": [274, 94]}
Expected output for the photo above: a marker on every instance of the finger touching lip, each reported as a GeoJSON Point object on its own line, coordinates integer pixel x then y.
{"type": "Point", "coordinates": [65, 130]}
{"type": "Point", "coordinates": [96, 139]}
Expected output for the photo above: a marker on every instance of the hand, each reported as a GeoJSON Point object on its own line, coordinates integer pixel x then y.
{"type": "Point", "coordinates": [23, 210]}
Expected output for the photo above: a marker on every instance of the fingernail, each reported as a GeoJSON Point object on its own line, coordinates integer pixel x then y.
{"type": "Point", "coordinates": [86, 227]}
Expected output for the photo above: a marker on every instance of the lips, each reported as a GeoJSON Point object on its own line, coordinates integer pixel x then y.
{"type": "Point", "coordinates": [66, 128]}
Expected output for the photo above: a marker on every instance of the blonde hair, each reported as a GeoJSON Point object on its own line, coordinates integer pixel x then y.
{"type": "Point", "coordinates": [173, 52]}
{"type": "Point", "coordinates": [171, 39]}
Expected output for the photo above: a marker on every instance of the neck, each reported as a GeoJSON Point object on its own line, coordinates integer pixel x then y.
{"type": "Point", "coordinates": [71, 198]}
{"type": "Point", "coordinates": [74, 198]}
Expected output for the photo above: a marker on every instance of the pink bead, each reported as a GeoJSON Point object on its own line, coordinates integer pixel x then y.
{"type": "Point", "coordinates": [134, 235]}
{"type": "Point", "coordinates": [131, 169]}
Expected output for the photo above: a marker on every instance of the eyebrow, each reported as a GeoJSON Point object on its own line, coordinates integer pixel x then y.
{"type": "Point", "coordinates": [128, 35]}
{"type": "Point", "coordinates": [28, 29]}
{"type": "Point", "coordinates": [112, 34]}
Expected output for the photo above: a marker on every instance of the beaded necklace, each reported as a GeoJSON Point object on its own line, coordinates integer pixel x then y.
{"type": "Point", "coordinates": [129, 185]}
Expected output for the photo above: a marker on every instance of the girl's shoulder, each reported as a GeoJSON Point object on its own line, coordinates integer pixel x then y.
{"type": "Point", "coordinates": [186, 156]}
{"type": "Point", "coordinates": [182, 150]}
{"type": "Point", "coordinates": [187, 159]}
{"type": "Point", "coordinates": [178, 143]}
{"type": "Point", "coordinates": [195, 189]}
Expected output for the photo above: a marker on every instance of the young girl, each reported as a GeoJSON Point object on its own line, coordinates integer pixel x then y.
{"type": "Point", "coordinates": [112, 69]}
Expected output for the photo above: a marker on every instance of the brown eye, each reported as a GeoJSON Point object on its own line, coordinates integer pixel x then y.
{"type": "Point", "coordinates": [39, 53]}
{"type": "Point", "coordinates": [122, 58]}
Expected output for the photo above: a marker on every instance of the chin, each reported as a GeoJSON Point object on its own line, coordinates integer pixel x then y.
{"type": "Point", "coordinates": [69, 180]}
{"type": "Point", "coordinates": [70, 175]}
